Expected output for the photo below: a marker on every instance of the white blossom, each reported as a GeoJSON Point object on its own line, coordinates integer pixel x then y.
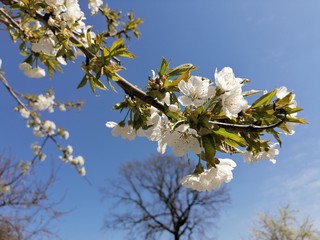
{"type": "Point", "coordinates": [35, 148]}
{"type": "Point", "coordinates": [24, 66]}
{"type": "Point", "coordinates": [94, 5]}
{"type": "Point", "coordinates": [184, 138]}
{"type": "Point", "coordinates": [49, 127]}
{"type": "Point", "coordinates": [249, 157]}
{"type": "Point", "coordinates": [67, 154]}
{"type": "Point", "coordinates": [46, 44]}
{"type": "Point", "coordinates": [82, 171]}
{"type": "Point", "coordinates": [281, 93]}
{"type": "Point", "coordinates": [78, 160]}
{"type": "Point", "coordinates": [43, 103]}
{"type": "Point", "coordinates": [158, 130]}
{"type": "Point", "coordinates": [226, 80]}
{"type": "Point", "coordinates": [193, 181]}
{"type": "Point", "coordinates": [64, 134]}
{"type": "Point", "coordinates": [233, 102]}
{"type": "Point", "coordinates": [126, 132]}
{"type": "Point", "coordinates": [24, 112]}
{"type": "Point", "coordinates": [31, 72]}
{"type": "Point", "coordinates": [24, 166]}
{"type": "Point", "coordinates": [62, 107]}
{"type": "Point", "coordinates": [211, 178]}
{"type": "Point", "coordinates": [196, 91]}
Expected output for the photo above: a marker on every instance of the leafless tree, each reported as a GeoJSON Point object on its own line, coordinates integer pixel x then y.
{"type": "Point", "coordinates": [285, 226]}
{"type": "Point", "coordinates": [152, 202]}
{"type": "Point", "coordinates": [26, 209]}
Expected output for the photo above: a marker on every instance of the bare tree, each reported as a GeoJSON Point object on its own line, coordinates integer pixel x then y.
{"type": "Point", "coordinates": [26, 209]}
{"type": "Point", "coordinates": [151, 200]}
{"type": "Point", "coordinates": [285, 226]}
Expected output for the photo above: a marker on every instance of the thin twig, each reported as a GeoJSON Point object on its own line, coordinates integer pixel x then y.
{"type": "Point", "coordinates": [11, 91]}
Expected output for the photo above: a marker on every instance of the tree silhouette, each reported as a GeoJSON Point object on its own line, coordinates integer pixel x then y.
{"type": "Point", "coordinates": [151, 201]}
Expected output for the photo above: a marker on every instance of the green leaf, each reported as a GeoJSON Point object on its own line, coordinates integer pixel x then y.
{"type": "Point", "coordinates": [83, 82]}
{"type": "Point", "coordinates": [251, 92]}
{"type": "Point", "coordinates": [99, 84]}
{"type": "Point", "coordinates": [265, 99]}
{"type": "Point", "coordinates": [209, 147]}
{"type": "Point", "coordinates": [92, 85]}
{"type": "Point", "coordinates": [180, 69]}
{"type": "Point", "coordinates": [296, 120]}
{"type": "Point", "coordinates": [284, 102]}
{"type": "Point", "coordinates": [119, 43]}
{"type": "Point", "coordinates": [232, 138]}
{"type": "Point", "coordinates": [275, 134]}
{"type": "Point", "coordinates": [163, 68]}
{"type": "Point", "coordinates": [122, 52]}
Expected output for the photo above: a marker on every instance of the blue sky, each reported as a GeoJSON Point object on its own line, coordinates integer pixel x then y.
{"type": "Point", "coordinates": [273, 43]}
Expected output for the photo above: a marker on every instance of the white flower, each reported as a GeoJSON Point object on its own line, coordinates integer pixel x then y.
{"type": "Point", "coordinates": [233, 102]}
{"type": "Point", "coordinates": [94, 5]}
{"type": "Point", "coordinates": [37, 72]}
{"type": "Point", "coordinates": [281, 93]}
{"type": "Point", "coordinates": [43, 103]}
{"type": "Point", "coordinates": [78, 161]}
{"type": "Point", "coordinates": [193, 181]}
{"type": "Point", "coordinates": [24, 166]}
{"type": "Point", "coordinates": [46, 44]}
{"type": "Point", "coordinates": [24, 112]}
{"type": "Point", "coordinates": [158, 130]}
{"type": "Point", "coordinates": [126, 132]}
{"type": "Point", "coordinates": [73, 14]}
{"type": "Point", "coordinates": [166, 100]}
{"type": "Point", "coordinates": [226, 81]}
{"type": "Point", "coordinates": [32, 72]}
{"type": "Point", "coordinates": [49, 127]}
{"type": "Point", "coordinates": [0, 63]}
{"type": "Point", "coordinates": [196, 91]}
{"type": "Point", "coordinates": [67, 154]}
{"type": "Point", "coordinates": [54, 2]}
{"type": "Point", "coordinates": [184, 138]}
{"type": "Point", "coordinates": [211, 178]}
{"type": "Point", "coordinates": [62, 60]}
{"type": "Point", "coordinates": [249, 157]}
{"type": "Point", "coordinates": [62, 107]}
{"type": "Point", "coordinates": [82, 171]}
{"type": "Point", "coordinates": [24, 66]}
{"type": "Point", "coordinates": [35, 148]}
{"type": "Point", "coordinates": [63, 133]}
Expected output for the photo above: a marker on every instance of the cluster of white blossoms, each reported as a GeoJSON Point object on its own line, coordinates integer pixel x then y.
{"type": "Point", "coordinates": [31, 72]}
{"type": "Point", "coordinates": [281, 93]}
{"type": "Point", "coordinates": [66, 14]}
{"type": "Point", "coordinates": [211, 178]}
{"type": "Point", "coordinates": [198, 93]}
{"type": "Point", "coordinates": [78, 161]}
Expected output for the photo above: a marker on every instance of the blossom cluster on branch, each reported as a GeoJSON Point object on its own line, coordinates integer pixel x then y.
{"type": "Point", "coordinates": [179, 110]}
{"type": "Point", "coordinates": [204, 116]}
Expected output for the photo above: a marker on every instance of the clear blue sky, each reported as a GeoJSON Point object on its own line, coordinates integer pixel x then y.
{"type": "Point", "coordinates": [273, 43]}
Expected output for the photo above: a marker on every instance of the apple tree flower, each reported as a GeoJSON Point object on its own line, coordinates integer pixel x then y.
{"type": "Point", "coordinates": [126, 132]}
{"type": "Point", "coordinates": [233, 102]}
{"type": "Point", "coordinates": [226, 80]}
{"type": "Point", "coordinates": [196, 91]}
{"type": "Point", "coordinates": [211, 178]}
{"type": "Point", "coordinates": [184, 138]}
{"type": "Point", "coordinates": [251, 157]}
